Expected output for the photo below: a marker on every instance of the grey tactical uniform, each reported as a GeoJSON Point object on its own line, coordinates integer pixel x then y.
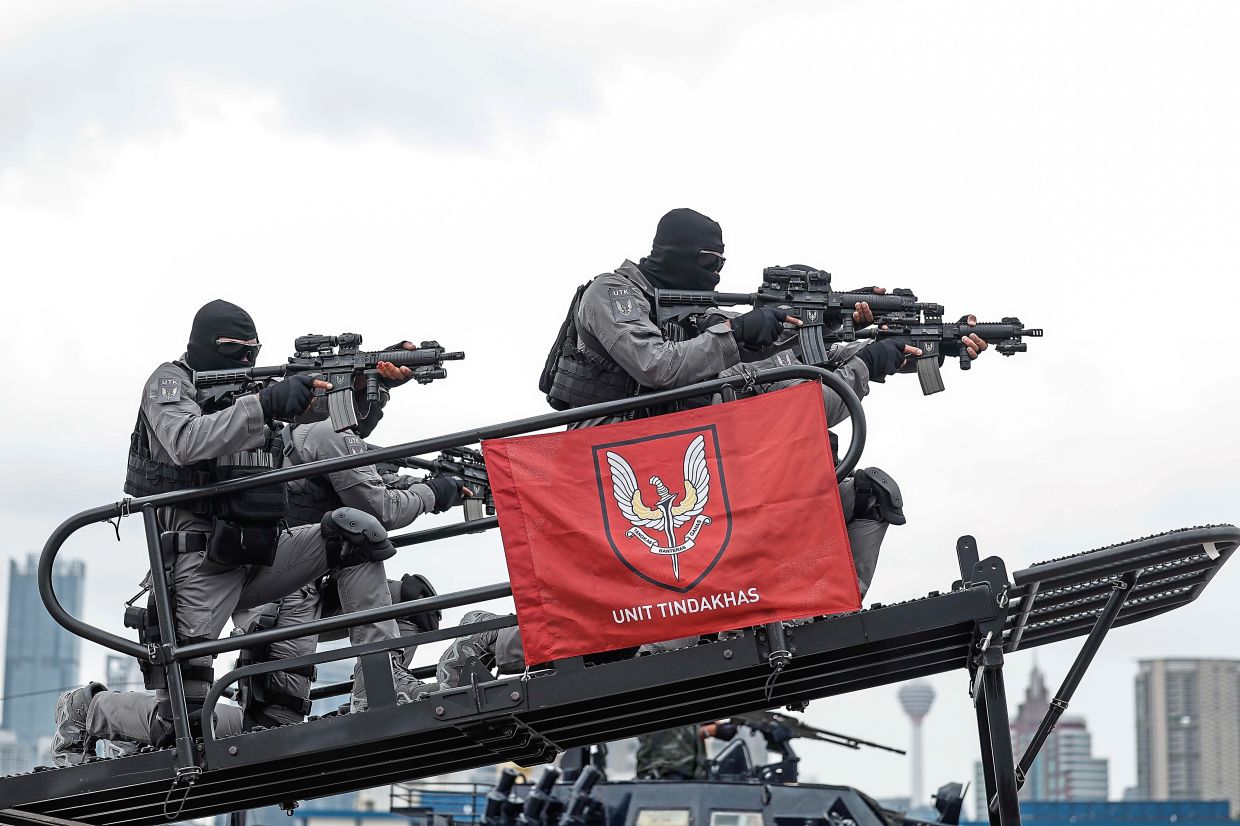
{"type": "Point", "coordinates": [615, 313]}
{"type": "Point", "coordinates": [207, 593]}
{"type": "Point", "coordinates": [363, 487]}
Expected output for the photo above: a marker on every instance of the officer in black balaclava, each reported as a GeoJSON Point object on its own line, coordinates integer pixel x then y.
{"type": "Point", "coordinates": [621, 350]}
{"type": "Point", "coordinates": [233, 553]}
{"type": "Point", "coordinates": [687, 253]}
{"type": "Point", "coordinates": [223, 337]}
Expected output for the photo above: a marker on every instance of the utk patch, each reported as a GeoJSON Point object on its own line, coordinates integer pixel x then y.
{"type": "Point", "coordinates": [354, 445]}
{"type": "Point", "coordinates": [623, 304]}
{"type": "Point", "coordinates": [164, 391]}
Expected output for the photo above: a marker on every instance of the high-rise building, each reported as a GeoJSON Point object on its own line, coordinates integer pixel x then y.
{"type": "Point", "coordinates": [916, 698]}
{"type": "Point", "coordinates": [1065, 769]}
{"type": "Point", "coordinates": [1188, 730]}
{"type": "Point", "coordinates": [40, 657]}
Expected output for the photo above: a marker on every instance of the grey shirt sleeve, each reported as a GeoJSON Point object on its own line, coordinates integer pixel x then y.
{"type": "Point", "coordinates": [188, 435]}
{"type": "Point", "coordinates": [363, 487]}
{"type": "Point", "coordinates": [851, 369]}
{"type": "Point", "coordinates": [621, 324]}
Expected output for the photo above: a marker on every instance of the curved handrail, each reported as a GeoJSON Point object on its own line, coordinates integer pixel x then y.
{"type": "Point", "coordinates": [125, 507]}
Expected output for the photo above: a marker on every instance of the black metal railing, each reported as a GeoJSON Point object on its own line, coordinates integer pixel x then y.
{"type": "Point", "coordinates": [169, 655]}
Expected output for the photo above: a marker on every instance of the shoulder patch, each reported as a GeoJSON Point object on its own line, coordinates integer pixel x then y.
{"type": "Point", "coordinates": [623, 304]}
{"type": "Point", "coordinates": [165, 391]}
{"type": "Point", "coordinates": [354, 445]}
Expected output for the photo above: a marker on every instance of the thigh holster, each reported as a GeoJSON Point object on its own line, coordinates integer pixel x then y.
{"type": "Point", "coordinates": [145, 620]}
{"type": "Point", "coordinates": [261, 690]}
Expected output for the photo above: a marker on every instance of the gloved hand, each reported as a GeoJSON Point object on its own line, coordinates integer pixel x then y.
{"type": "Point", "coordinates": [448, 490]}
{"type": "Point", "coordinates": [884, 358]}
{"type": "Point", "coordinates": [759, 328]}
{"type": "Point", "coordinates": [288, 398]}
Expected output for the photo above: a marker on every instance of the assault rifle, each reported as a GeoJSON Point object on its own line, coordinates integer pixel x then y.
{"type": "Point", "coordinates": [826, 316]}
{"type": "Point", "coordinates": [944, 341]}
{"type": "Point", "coordinates": [337, 359]}
{"type": "Point", "coordinates": [454, 461]}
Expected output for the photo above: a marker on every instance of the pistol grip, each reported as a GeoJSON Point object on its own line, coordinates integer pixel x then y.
{"type": "Point", "coordinates": [929, 376]}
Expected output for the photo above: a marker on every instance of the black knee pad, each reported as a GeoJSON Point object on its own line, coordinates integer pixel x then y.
{"type": "Point", "coordinates": [884, 492]}
{"type": "Point", "coordinates": [354, 537]}
{"type": "Point", "coordinates": [416, 586]}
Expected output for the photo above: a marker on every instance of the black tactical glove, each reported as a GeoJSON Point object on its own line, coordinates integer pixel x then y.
{"type": "Point", "coordinates": [759, 328]}
{"type": "Point", "coordinates": [884, 358]}
{"type": "Point", "coordinates": [448, 492]}
{"type": "Point", "coordinates": [288, 398]}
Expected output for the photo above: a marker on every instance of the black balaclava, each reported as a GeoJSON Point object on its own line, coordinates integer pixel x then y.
{"type": "Point", "coordinates": [217, 319]}
{"type": "Point", "coordinates": [672, 263]}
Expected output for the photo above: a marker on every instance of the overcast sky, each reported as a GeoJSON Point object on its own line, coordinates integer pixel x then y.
{"type": "Point", "coordinates": [454, 171]}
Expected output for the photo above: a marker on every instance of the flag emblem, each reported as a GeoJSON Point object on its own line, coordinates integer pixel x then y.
{"type": "Point", "coordinates": [670, 533]}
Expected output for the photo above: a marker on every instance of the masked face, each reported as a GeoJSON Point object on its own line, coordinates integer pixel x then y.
{"type": "Point", "coordinates": [687, 253]}
{"type": "Point", "coordinates": [222, 337]}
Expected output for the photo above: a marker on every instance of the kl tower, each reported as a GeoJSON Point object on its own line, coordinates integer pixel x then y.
{"type": "Point", "coordinates": [916, 698]}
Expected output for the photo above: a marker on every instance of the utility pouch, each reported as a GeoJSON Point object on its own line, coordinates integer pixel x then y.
{"type": "Point", "coordinates": [248, 523]}
{"type": "Point", "coordinates": [235, 543]}
{"type": "Point", "coordinates": [266, 503]}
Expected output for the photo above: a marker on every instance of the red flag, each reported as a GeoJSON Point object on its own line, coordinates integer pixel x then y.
{"type": "Point", "coordinates": [715, 518]}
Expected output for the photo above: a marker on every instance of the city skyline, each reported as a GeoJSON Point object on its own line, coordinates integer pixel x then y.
{"type": "Point", "coordinates": [1188, 730]}
{"type": "Point", "coordinates": [41, 659]}
{"type": "Point", "coordinates": [1066, 769]}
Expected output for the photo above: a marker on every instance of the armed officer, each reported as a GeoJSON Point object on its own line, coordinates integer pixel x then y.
{"type": "Point", "coordinates": [610, 348]}
{"type": "Point", "coordinates": [228, 553]}
{"type": "Point", "coordinates": [394, 500]}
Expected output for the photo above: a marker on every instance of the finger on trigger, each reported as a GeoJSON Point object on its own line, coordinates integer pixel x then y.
{"type": "Point", "coordinates": [911, 350]}
{"type": "Point", "coordinates": [322, 385]}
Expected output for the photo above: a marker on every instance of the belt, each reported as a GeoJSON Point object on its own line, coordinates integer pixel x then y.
{"type": "Point", "coordinates": [183, 542]}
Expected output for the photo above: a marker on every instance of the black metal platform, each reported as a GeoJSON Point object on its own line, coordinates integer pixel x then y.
{"type": "Point", "coordinates": [527, 720]}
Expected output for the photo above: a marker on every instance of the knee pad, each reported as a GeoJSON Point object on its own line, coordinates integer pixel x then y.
{"type": "Point", "coordinates": [883, 492]}
{"type": "Point", "coordinates": [416, 586]}
{"type": "Point", "coordinates": [354, 537]}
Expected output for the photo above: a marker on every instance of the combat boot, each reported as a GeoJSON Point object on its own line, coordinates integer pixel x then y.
{"type": "Point", "coordinates": [70, 744]}
{"type": "Point", "coordinates": [408, 687]}
{"type": "Point", "coordinates": [480, 648]}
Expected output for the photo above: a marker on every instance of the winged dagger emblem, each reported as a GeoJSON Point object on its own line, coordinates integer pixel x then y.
{"type": "Point", "coordinates": [667, 514]}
